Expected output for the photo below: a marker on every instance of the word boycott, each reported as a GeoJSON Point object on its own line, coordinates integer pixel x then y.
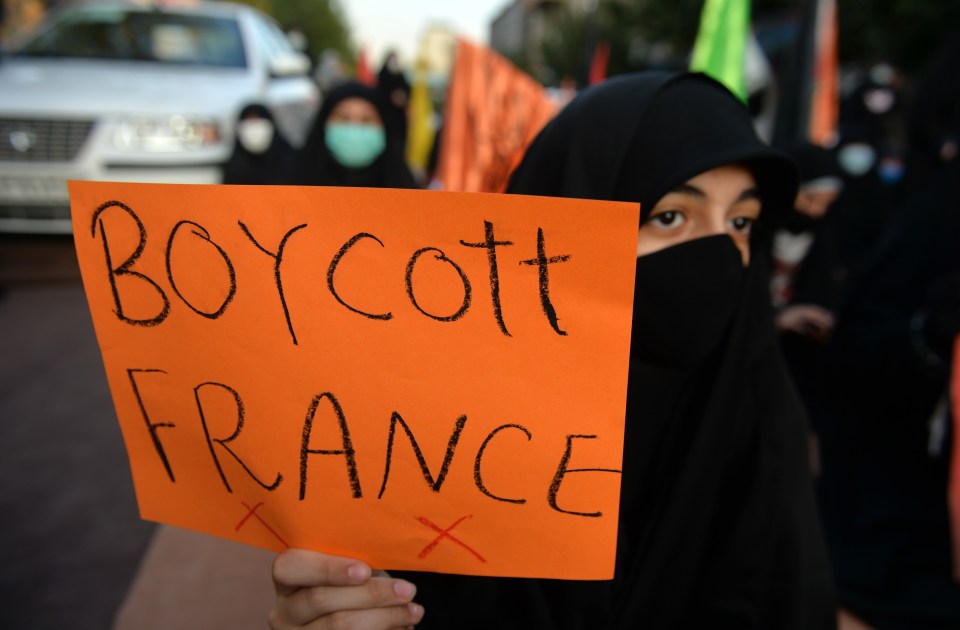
{"type": "Point", "coordinates": [128, 269]}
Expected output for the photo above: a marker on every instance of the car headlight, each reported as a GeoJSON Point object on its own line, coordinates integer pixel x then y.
{"type": "Point", "coordinates": [166, 134]}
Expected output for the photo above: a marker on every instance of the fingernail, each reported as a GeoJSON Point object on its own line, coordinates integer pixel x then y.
{"type": "Point", "coordinates": [403, 589]}
{"type": "Point", "coordinates": [359, 572]}
{"type": "Point", "coordinates": [416, 611]}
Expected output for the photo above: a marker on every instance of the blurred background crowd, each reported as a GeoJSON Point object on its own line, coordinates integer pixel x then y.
{"type": "Point", "coordinates": [863, 95]}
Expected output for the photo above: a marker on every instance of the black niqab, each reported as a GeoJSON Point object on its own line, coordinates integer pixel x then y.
{"type": "Point", "coordinates": [316, 165]}
{"type": "Point", "coordinates": [717, 518]}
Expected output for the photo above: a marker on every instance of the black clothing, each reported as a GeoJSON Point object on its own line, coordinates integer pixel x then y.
{"type": "Point", "coordinates": [270, 167]}
{"type": "Point", "coordinates": [885, 465]}
{"type": "Point", "coordinates": [813, 161]}
{"type": "Point", "coordinates": [316, 166]}
{"type": "Point", "coordinates": [717, 522]}
{"type": "Point", "coordinates": [797, 229]}
{"type": "Point", "coordinates": [935, 117]}
{"type": "Point", "coordinates": [393, 84]}
{"type": "Point", "coordinates": [808, 264]}
{"type": "Point", "coordinates": [844, 240]}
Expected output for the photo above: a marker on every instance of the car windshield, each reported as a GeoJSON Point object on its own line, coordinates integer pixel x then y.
{"type": "Point", "coordinates": [142, 36]}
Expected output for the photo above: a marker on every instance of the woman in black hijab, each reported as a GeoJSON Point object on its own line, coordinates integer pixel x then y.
{"type": "Point", "coordinates": [352, 143]}
{"type": "Point", "coordinates": [261, 154]}
{"type": "Point", "coordinates": [885, 432]}
{"type": "Point", "coordinates": [886, 429]}
{"type": "Point", "coordinates": [717, 522]}
{"type": "Point", "coordinates": [392, 82]}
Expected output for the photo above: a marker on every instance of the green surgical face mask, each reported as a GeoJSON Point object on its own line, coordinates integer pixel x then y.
{"type": "Point", "coordinates": [355, 145]}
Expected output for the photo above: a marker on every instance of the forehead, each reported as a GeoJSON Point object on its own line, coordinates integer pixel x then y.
{"type": "Point", "coordinates": [729, 177]}
{"type": "Point", "coordinates": [354, 108]}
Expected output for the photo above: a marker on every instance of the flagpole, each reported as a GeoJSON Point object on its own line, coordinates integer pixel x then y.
{"type": "Point", "coordinates": [793, 109]}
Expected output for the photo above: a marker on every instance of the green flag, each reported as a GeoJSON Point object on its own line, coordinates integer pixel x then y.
{"type": "Point", "coordinates": [721, 46]}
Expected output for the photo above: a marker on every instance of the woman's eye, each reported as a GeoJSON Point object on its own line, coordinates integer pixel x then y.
{"type": "Point", "coordinates": [670, 218]}
{"type": "Point", "coordinates": [742, 224]}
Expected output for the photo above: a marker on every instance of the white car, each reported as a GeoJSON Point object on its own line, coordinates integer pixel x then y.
{"type": "Point", "coordinates": [135, 91]}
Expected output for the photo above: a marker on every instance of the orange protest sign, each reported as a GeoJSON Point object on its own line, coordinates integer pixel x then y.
{"type": "Point", "coordinates": [492, 113]}
{"type": "Point", "coordinates": [425, 380]}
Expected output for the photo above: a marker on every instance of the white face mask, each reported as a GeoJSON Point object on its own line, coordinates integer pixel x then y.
{"type": "Point", "coordinates": [255, 134]}
{"type": "Point", "coordinates": [857, 158]}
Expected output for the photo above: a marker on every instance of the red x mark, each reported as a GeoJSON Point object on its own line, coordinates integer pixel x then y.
{"type": "Point", "coordinates": [252, 511]}
{"type": "Point", "coordinates": [445, 533]}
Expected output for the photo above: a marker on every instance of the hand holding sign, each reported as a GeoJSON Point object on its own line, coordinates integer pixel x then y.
{"type": "Point", "coordinates": [430, 381]}
{"type": "Point", "coordinates": [311, 585]}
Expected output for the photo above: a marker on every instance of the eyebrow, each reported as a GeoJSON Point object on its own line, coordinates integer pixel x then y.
{"type": "Point", "coordinates": [693, 191]}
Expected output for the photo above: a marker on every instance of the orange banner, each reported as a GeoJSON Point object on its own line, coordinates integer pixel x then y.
{"type": "Point", "coordinates": [493, 112]}
{"type": "Point", "coordinates": [425, 380]}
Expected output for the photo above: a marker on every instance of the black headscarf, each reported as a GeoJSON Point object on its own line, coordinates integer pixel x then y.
{"type": "Point", "coordinates": [816, 166]}
{"type": "Point", "coordinates": [392, 82]}
{"type": "Point", "coordinates": [717, 520]}
{"type": "Point", "coordinates": [269, 167]}
{"type": "Point", "coordinates": [316, 166]}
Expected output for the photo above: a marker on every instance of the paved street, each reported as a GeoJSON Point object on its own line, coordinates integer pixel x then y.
{"type": "Point", "coordinates": [71, 535]}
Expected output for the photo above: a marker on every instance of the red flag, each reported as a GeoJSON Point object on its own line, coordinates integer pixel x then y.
{"type": "Point", "coordinates": [364, 74]}
{"type": "Point", "coordinates": [598, 65]}
{"type": "Point", "coordinates": [493, 111]}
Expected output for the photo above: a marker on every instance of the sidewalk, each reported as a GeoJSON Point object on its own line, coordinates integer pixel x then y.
{"type": "Point", "coordinates": [71, 534]}
{"type": "Point", "coordinates": [189, 580]}
{"type": "Point", "coordinates": [74, 552]}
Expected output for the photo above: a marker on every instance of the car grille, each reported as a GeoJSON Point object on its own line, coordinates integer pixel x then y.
{"type": "Point", "coordinates": [61, 211]}
{"type": "Point", "coordinates": [32, 140]}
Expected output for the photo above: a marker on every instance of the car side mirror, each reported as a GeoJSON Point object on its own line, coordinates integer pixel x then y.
{"type": "Point", "coordinates": [290, 64]}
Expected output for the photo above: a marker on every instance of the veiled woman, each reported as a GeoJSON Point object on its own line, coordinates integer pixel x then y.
{"type": "Point", "coordinates": [718, 527]}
